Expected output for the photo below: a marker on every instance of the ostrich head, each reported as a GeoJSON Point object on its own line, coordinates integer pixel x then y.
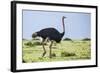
{"type": "Point", "coordinates": [64, 17]}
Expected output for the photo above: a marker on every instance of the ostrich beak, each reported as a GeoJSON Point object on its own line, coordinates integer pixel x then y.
{"type": "Point", "coordinates": [64, 17]}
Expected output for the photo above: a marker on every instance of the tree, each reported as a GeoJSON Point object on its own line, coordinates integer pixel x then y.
{"type": "Point", "coordinates": [86, 39]}
{"type": "Point", "coordinates": [67, 39]}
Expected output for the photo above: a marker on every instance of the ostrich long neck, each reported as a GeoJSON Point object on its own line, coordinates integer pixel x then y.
{"type": "Point", "coordinates": [62, 34]}
{"type": "Point", "coordinates": [63, 25]}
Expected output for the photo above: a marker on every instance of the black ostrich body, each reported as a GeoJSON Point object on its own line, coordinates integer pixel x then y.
{"type": "Point", "coordinates": [50, 33]}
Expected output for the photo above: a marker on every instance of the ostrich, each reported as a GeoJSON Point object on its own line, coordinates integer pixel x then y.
{"type": "Point", "coordinates": [52, 34]}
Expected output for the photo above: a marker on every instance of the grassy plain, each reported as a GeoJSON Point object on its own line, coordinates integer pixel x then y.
{"type": "Point", "coordinates": [65, 51]}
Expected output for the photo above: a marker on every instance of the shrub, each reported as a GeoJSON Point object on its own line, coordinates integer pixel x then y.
{"type": "Point", "coordinates": [33, 44]}
{"type": "Point", "coordinates": [86, 39]}
{"type": "Point", "coordinates": [39, 43]}
{"type": "Point", "coordinates": [66, 54]}
{"type": "Point", "coordinates": [29, 44]}
{"type": "Point", "coordinates": [68, 39]}
{"type": "Point", "coordinates": [24, 61]}
{"type": "Point", "coordinates": [53, 55]}
{"type": "Point", "coordinates": [36, 43]}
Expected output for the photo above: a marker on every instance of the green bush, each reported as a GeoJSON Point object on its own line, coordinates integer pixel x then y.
{"type": "Point", "coordinates": [24, 61]}
{"type": "Point", "coordinates": [53, 55]}
{"type": "Point", "coordinates": [33, 44]}
{"type": "Point", "coordinates": [29, 44]}
{"type": "Point", "coordinates": [86, 39]}
{"type": "Point", "coordinates": [67, 39]}
{"type": "Point", "coordinates": [36, 43]}
{"type": "Point", "coordinates": [66, 54]}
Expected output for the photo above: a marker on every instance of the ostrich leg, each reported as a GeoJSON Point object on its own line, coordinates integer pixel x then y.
{"type": "Point", "coordinates": [43, 48]}
{"type": "Point", "coordinates": [50, 49]}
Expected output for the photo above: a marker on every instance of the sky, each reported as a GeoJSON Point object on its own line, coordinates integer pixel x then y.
{"type": "Point", "coordinates": [77, 25]}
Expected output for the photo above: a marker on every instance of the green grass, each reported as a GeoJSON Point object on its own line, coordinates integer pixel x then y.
{"type": "Point", "coordinates": [66, 50]}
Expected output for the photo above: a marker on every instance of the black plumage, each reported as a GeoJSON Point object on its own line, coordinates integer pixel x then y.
{"type": "Point", "coordinates": [51, 34]}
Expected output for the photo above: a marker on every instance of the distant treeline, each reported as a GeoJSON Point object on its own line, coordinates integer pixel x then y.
{"type": "Point", "coordinates": [84, 39]}
{"type": "Point", "coordinates": [66, 39]}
